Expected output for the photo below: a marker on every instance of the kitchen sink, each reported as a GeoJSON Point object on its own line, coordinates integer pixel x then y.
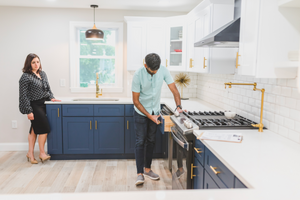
{"type": "Point", "coordinates": [96, 99]}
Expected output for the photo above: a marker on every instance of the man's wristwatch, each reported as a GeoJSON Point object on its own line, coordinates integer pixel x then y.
{"type": "Point", "coordinates": [179, 106]}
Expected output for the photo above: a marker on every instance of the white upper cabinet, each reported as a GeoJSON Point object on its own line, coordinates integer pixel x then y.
{"type": "Point", "coordinates": [266, 39]}
{"type": "Point", "coordinates": [206, 18]}
{"type": "Point", "coordinates": [176, 43]}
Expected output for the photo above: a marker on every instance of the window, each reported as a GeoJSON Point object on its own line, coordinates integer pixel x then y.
{"type": "Point", "coordinates": [88, 57]}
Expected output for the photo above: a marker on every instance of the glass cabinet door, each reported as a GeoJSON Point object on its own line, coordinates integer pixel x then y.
{"type": "Point", "coordinates": [176, 35]}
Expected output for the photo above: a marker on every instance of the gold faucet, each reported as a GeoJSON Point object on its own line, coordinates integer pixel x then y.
{"type": "Point", "coordinates": [98, 91]}
{"type": "Point", "coordinates": [260, 125]}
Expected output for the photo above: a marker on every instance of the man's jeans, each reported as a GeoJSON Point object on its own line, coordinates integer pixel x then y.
{"type": "Point", "coordinates": [145, 132]}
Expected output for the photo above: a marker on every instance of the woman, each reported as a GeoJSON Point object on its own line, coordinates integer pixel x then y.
{"type": "Point", "coordinates": [34, 91]}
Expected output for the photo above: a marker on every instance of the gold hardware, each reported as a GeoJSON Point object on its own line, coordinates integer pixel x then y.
{"type": "Point", "coordinates": [166, 62]}
{"type": "Point", "coordinates": [127, 125]}
{"type": "Point", "coordinates": [198, 150]}
{"type": "Point", "coordinates": [91, 125]}
{"type": "Point", "coordinates": [260, 126]}
{"type": "Point", "coordinates": [237, 60]}
{"type": "Point", "coordinates": [98, 91]}
{"type": "Point", "coordinates": [143, 61]}
{"type": "Point", "coordinates": [96, 124]}
{"type": "Point", "coordinates": [57, 112]}
{"type": "Point", "coordinates": [191, 63]}
{"type": "Point", "coordinates": [204, 63]}
{"type": "Point", "coordinates": [192, 167]}
{"type": "Point", "coordinates": [214, 170]}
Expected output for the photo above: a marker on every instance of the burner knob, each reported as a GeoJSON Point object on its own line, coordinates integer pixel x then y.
{"type": "Point", "coordinates": [188, 124]}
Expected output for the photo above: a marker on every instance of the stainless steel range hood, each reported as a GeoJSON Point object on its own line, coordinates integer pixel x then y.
{"type": "Point", "coordinates": [227, 36]}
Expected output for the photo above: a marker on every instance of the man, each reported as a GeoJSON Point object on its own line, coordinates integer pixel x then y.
{"type": "Point", "coordinates": [146, 88]}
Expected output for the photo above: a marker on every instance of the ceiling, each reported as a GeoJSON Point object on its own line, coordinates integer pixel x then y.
{"type": "Point", "coordinates": [147, 5]}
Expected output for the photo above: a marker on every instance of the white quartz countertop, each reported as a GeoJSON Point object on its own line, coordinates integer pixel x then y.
{"type": "Point", "coordinates": [265, 162]}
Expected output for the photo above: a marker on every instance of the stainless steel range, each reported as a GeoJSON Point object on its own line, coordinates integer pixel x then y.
{"type": "Point", "coordinates": [184, 140]}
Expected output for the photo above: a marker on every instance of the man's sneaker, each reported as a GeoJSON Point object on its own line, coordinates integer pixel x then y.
{"type": "Point", "coordinates": [179, 173]}
{"type": "Point", "coordinates": [151, 175]}
{"type": "Point", "coordinates": [140, 180]}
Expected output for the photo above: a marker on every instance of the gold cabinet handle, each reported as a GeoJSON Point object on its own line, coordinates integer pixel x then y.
{"type": "Point", "coordinates": [127, 124]}
{"type": "Point", "coordinates": [91, 125]}
{"type": "Point", "coordinates": [204, 63]}
{"type": "Point", "coordinates": [192, 169]}
{"type": "Point", "coordinates": [57, 112]}
{"type": "Point", "coordinates": [191, 63]}
{"type": "Point", "coordinates": [166, 62]}
{"type": "Point", "coordinates": [198, 150]}
{"type": "Point", "coordinates": [214, 170]}
{"type": "Point", "coordinates": [96, 124]}
{"type": "Point", "coordinates": [237, 60]}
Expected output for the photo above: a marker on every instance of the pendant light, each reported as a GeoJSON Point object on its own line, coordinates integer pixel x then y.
{"type": "Point", "coordinates": [94, 33]}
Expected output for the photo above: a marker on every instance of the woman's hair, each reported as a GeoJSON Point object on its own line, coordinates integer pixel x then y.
{"type": "Point", "coordinates": [27, 65]}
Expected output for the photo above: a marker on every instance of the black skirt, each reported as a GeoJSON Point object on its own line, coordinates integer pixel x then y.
{"type": "Point", "coordinates": [40, 123]}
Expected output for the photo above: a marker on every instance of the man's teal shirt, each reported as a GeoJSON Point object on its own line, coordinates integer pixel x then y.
{"type": "Point", "coordinates": [149, 88]}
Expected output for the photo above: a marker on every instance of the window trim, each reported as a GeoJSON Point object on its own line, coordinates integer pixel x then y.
{"type": "Point", "coordinates": [74, 64]}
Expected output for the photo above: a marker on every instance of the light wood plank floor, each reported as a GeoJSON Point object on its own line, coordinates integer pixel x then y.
{"type": "Point", "coordinates": [18, 176]}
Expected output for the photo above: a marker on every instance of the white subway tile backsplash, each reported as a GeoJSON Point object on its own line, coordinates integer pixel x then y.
{"type": "Point", "coordinates": [281, 102]}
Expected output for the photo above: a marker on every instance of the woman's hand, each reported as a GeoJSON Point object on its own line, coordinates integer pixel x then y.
{"type": "Point", "coordinates": [30, 116]}
{"type": "Point", "coordinates": [154, 118]}
{"type": "Point", "coordinates": [53, 100]}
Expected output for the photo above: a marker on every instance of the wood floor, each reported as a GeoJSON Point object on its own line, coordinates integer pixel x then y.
{"type": "Point", "coordinates": [17, 176]}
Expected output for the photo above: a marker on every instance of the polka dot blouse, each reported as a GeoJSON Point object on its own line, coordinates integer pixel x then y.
{"type": "Point", "coordinates": [32, 88]}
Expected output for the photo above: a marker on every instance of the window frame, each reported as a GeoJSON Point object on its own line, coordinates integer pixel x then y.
{"type": "Point", "coordinates": [74, 57]}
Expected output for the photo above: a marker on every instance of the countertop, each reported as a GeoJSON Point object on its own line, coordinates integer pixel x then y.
{"type": "Point", "coordinates": [265, 162]}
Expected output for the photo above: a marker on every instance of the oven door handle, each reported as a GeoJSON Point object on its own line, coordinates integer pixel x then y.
{"type": "Point", "coordinates": [182, 144]}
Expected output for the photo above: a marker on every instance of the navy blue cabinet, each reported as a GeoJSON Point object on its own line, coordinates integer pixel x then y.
{"type": "Point", "coordinates": [107, 110]}
{"type": "Point", "coordinates": [199, 175]}
{"type": "Point", "coordinates": [78, 135]}
{"type": "Point", "coordinates": [209, 182]}
{"type": "Point", "coordinates": [77, 110]}
{"type": "Point", "coordinates": [129, 108]}
{"type": "Point", "coordinates": [129, 135]}
{"type": "Point", "coordinates": [55, 139]}
{"type": "Point", "coordinates": [238, 183]}
{"type": "Point", "coordinates": [109, 135]}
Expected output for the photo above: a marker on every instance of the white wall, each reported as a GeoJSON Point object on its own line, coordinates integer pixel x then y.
{"type": "Point", "coordinates": [281, 104]}
{"type": "Point", "coordinates": [44, 31]}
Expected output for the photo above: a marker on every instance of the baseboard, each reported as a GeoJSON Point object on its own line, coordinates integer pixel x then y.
{"type": "Point", "coordinates": [18, 146]}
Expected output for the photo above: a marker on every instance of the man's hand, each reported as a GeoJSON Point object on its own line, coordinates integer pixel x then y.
{"type": "Point", "coordinates": [180, 111]}
{"type": "Point", "coordinates": [30, 116]}
{"type": "Point", "coordinates": [154, 118]}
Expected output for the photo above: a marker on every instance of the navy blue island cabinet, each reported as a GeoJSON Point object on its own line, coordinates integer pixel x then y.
{"type": "Point", "coordinates": [93, 131]}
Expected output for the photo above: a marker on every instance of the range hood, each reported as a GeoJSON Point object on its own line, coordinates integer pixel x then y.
{"type": "Point", "coordinates": [227, 36]}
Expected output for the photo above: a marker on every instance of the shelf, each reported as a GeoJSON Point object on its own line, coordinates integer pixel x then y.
{"type": "Point", "coordinates": [287, 69]}
{"type": "Point", "coordinates": [289, 3]}
{"type": "Point", "coordinates": [176, 53]}
{"type": "Point", "coordinates": [176, 40]}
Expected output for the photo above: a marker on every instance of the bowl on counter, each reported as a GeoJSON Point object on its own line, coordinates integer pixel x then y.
{"type": "Point", "coordinates": [229, 114]}
{"type": "Point", "coordinates": [178, 50]}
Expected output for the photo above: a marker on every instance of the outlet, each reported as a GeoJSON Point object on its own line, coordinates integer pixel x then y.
{"type": "Point", "coordinates": [14, 124]}
{"type": "Point", "coordinates": [62, 82]}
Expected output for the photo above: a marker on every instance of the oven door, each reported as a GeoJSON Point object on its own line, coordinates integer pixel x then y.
{"type": "Point", "coordinates": [181, 162]}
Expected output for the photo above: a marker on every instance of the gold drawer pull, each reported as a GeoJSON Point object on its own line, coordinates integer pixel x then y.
{"type": "Point", "coordinates": [204, 63]}
{"type": "Point", "coordinates": [91, 125]}
{"type": "Point", "coordinates": [198, 150]}
{"type": "Point", "coordinates": [192, 168]}
{"type": "Point", "coordinates": [166, 62]}
{"type": "Point", "coordinates": [127, 125]}
{"type": "Point", "coordinates": [96, 125]}
{"type": "Point", "coordinates": [191, 63]}
{"type": "Point", "coordinates": [237, 60]}
{"type": "Point", "coordinates": [214, 170]}
{"type": "Point", "coordinates": [58, 112]}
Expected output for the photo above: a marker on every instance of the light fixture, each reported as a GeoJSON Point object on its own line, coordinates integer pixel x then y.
{"type": "Point", "coordinates": [94, 33]}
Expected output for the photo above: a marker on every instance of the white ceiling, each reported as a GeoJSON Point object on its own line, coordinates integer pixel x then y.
{"type": "Point", "coordinates": [150, 5]}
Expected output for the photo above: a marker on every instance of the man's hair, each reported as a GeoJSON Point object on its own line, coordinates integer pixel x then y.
{"type": "Point", "coordinates": [153, 61]}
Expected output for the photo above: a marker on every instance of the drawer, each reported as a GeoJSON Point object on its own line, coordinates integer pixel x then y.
{"type": "Point", "coordinates": [199, 151]}
{"type": "Point", "coordinates": [238, 183]}
{"type": "Point", "coordinates": [129, 108]}
{"type": "Point", "coordinates": [109, 110]}
{"type": "Point", "coordinates": [209, 183]}
{"type": "Point", "coordinates": [77, 110]}
{"type": "Point", "coordinates": [224, 177]}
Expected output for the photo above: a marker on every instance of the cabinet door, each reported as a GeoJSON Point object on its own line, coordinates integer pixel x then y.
{"type": "Point", "coordinates": [136, 44]}
{"type": "Point", "coordinates": [54, 140]}
{"type": "Point", "coordinates": [209, 182]}
{"type": "Point", "coordinates": [190, 40]}
{"type": "Point", "coordinates": [129, 135]}
{"type": "Point", "coordinates": [109, 135]}
{"type": "Point", "coordinates": [250, 13]}
{"type": "Point", "coordinates": [199, 174]}
{"type": "Point", "coordinates": [78, 135]}
{"type": "Point", "coordinates": [156, 40]}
